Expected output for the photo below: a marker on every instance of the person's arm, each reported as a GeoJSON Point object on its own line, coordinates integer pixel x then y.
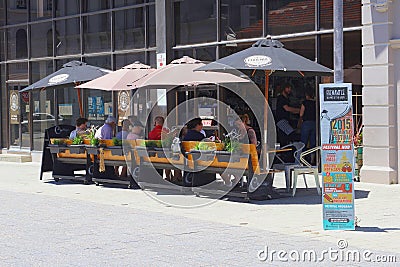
{"type": "Point", "coordinates": [291, 109]}
{"type": "Point", "coordinates": [302, 109]}
{"type": "Point", "coordinates": [252, 137]}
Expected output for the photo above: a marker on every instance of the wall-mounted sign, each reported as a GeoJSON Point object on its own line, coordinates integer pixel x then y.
{"type": "Point", "coordinates": [337, 156]}
{"type": "Point", "coordinates": [161, 60]}
{"type": "Point", "coordinates": [123, 100]}
{"type": "Point", "coordinates": [14, 107]}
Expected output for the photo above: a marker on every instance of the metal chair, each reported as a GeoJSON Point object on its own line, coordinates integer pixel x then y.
{"type": "Point", "coordinates": [306, 168]}
{"type": "Point", "coordinates": [289, 166]}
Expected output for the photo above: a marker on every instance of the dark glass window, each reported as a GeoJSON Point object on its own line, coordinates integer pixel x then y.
{"type": "Point", "coordinates": [126, 59]}
{"type": "Point", "coordinates": [205, 53]}
{"type": "Point", "coordinates": [17, 11]}
{"type": "Point", "coordinates": [18, 71]}
{"type": "Point", "coordinates": [42, 103]}
{"type": "Point", "coordinates": [351, 14]}
{"type": "Point", "coordinates": [3, 108]}
{"type": "Point", "coordinates": [183, 52]}
{"type": "Point", "coordinates": [41, 40]}
{"type": "Point", "coordinates": [152, 26]}
{"type": "Point", "coordinates": [302, 46]}
{"type": "Point", "coordinates": [151, 59]}
{"type": "Point", "coordinates": [90, 5]}
{"type": "Point", "coordinates": [195, 21]}
{"type": "Point", "coordinates": [2, 45]}
{"type": "Point", "coordinates": [129, 29]}
{"type": "Point", "coordinates": [96, 33]}
{"type": "Point", "coordinates": [229, 49]}
{"type": "Point", "coordinates": [2, 13]}
{"type": "Point", "coordinates": [17, 43]}
{"type": "Point", "coordinates": [41, 9]}
{"type": "Point", "coordinates": [290, 16]}
{"type": "Point", "coordinates": [66, 7]}
{"type": "Point", "coordinates": [122, 3]}
{"type": "Point", "coordinates": [102, 62]}
{"type": "Point", "coordinates": [241, 19]}
{"type": "Point", "coordinates": [67, 37]}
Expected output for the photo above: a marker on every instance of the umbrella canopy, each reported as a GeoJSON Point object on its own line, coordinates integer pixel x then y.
{"type": "Point", "coordinates": [70, 74]}
{"type": "Point", "coordinates": [268, 54]}
{"type": "Point", "coordinates": [181, 72]}
{"type": "Point", "coordinates": [118, 79]}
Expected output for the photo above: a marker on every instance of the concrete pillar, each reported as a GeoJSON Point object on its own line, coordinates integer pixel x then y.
{"type": "Point", "coordinates": [380, 77]}
{"type": "Point", "coordinates": [164, 30]}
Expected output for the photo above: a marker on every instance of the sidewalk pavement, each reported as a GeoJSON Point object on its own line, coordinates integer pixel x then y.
{"type": "Point", "coordinates": [377, 207]}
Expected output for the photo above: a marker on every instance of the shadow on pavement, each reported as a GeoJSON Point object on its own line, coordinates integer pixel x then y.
{"type": "Point", "coordinates": [376, 229]}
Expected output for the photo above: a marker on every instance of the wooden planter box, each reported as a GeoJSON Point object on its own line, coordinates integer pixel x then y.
{"type": "Point", "coordinates": [116, 150]}
{"type": "Point", "coordinates": [92, 150]}
{"type": "Point", "coordinates": [203, 155]}
{"type": "Point", "coordinates": [76, 149]}
{"type": "Point", "coordinates": [163, 152]}
{"type": "Point", "coordinates": [145, 151]}
{"type": "Point", "coordinates": [225, 156]}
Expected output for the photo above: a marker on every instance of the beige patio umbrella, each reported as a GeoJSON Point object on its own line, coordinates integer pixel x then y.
{"type": "Point", "coordinates": [118, 79]}
{"type": "Point", "coordinates": [180, 72]}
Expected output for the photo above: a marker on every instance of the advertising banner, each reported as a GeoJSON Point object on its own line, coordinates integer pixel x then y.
{"type": "Point", "coordinates": [337, 156]}
{"type": "Point", "coordinates": [14, 107]}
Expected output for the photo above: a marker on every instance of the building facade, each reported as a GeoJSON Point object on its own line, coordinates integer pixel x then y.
{"type": "Point", "coordinates": [38, 36]}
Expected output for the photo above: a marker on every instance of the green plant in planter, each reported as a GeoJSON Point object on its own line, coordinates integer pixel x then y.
{"type": "Point", "coordinates": [166, 141]}
{"type": "Point", "coordinates": [152, 143]}
{"type": "Point", "coordinates": [232, 146]}
{"type": "Point", "coordinates": [58, 142]}
{"type": "Point", "coordinates": [93, 140]}
{"type": "Point", "coordinates": [117, 142]}
{"type": "Point", "coordinates": [77, 140]}
{"type": "Point", "coordinates": [203, 146]}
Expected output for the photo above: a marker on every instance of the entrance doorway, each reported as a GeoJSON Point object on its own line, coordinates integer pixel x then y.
{"type": "Point", "coordinates": [19, 119]}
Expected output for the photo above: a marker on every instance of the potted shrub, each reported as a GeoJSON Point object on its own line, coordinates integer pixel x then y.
{"type": "Point", "coordinates": [93, 142]}
{"type": "Point", "coordinates": [77, 145]}
{"type": "Point", "coordinates": [231, 152]}
{"type": "Point", "coordinates": [204, 151]}
{"type": "Point", "coordinates": [116, 149]}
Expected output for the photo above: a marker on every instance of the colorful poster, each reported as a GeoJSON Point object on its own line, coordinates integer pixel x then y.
{"type": "Point", "coordinates": [100, 108]}
{"type": "Point", "coordinates": [92, 108]}
{"type": "Point", "coordinates": [337, 157]}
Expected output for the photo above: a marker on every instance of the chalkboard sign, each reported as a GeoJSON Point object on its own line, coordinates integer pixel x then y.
{"type": "Point", "coordinates": [60, 131]}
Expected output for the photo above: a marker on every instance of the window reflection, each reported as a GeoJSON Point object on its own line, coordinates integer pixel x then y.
{"type": "Point", "coordinates": [129, 29]}
{"type": "Point", "coordinates": [290, 16]}
{"type": "Point", "coordinates": [66, 7]}
{"type": "Point", "coordinates": [17, 11]}
{"type": "Point", "coordinates": [152, 26]}
{"type": "Point", "coordinates": [241, 19]}
{"type": "Point", "coordinates": [102, 62]}
{"type": "Point", "coordinates": [195, 27]}
{"type": "Point", "coordinates": [126, 59]}
{"type": "Point", "coordinates": [41, 9]}
{"type": "Point", "coordinates": [41, 40]}
{"type": "Point", "coordinates": [17, 43]}
{"type": "Point", "coordinates": [90, 5]}
{"type": "Point", "coordinates": [67, 37]}
{"type": "Point", "coordinates": [2, 46]}
{"type": "Point", "coordinates": [122, 3]}
{"type": "Point", "coordinates": [351, 13]}
{"type": "Point", "coordinates": [96, 33]}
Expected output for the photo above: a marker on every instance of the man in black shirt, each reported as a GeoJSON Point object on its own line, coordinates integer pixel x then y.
{"type": "Point", "coordinates": [283, 111]}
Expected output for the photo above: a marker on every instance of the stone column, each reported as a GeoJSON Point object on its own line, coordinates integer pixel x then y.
{"type": "Point", "coordinates": [380, 64]}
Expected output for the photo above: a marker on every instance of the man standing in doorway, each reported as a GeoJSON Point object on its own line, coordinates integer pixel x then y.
{"type": "Point", "coordinates": [285, 131]}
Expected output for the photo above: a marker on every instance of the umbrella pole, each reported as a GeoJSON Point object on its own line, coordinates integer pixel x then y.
{"type": "Point", "coordinates": [80, 102]}
{"type": "Point", "coordinates": [265, 155]}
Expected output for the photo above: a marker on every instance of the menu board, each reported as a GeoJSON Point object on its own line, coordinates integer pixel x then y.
{"type": "Point", "coordinates": [337, 156]}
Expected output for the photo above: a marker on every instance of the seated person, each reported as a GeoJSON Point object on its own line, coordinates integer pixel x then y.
{"type": "Point", "coordinates": [80, 128]}
{"type": "Point", "coordinates": [194, 128]}
{"type": "Point", "coordinates": [245, 131]}
{"type": "Point", "coordinates": [122, 135]}
{"type": "Point", "coordinates": [136, 131]}
{"type": "Point", "coordinates": [107, 130]}
{"type": "Point", "coordinates": [155, 134]}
